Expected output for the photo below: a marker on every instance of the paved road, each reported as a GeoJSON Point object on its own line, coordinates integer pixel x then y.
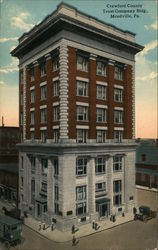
{"type": "Point", "coordinates": [134, 235]}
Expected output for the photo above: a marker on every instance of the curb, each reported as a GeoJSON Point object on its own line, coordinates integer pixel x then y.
{"type": "Point", "coordinates": [95, 232]}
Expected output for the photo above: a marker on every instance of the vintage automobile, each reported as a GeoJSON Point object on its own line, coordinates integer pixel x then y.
{"type": "Point", "coordinates": [10, 231]}
{"type": "Point", "coordinates": [145, 213]}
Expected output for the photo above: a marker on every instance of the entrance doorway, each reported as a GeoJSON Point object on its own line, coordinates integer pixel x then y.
{"type": "Point", "coordinates": [103, 207]}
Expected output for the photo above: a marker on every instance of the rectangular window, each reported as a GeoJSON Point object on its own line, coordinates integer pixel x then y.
{"type": "Point", "coordinates": [101, 136]}
{"type": "Point", "coordinates": [32, 74]}
{"type": "Point", "coordinates": [100, 165]}
{"type": "Point", "coordinates": [117, 163]}
{"type": "Point", "coordinates": [21, 99]}
{"type": "Point", "coordinates": [32, 117]}
{"type": "Point", "coordinates": [101, 115]}
{"type": "Point", "coordinates": [82, 113]}
{"type": "Point", "coordinates": [56, 208]}
{"type": "Point", "coordinates": [32, 191]}
{"type": "Point", "coordinates": [100, 186]}
{"type": "Point", "coordinates": [21, 77]}
{"type": "Point", "coordinates": [143, 156]}
{"type": "Point", "coordinates": [44, 187]}
{"type": "Point", "coordinates": [118, 95]}
{"type": "Point", "coordinates": [117, 190]}
{"type": "Point", "coordinates": [22, 162]}
{"type": "Point", "coordinates": [82, 88]}
{"type": "Point", "coordinates": [82, 63]}
{"type": "Point", "coordinates": [56, 167]}
{"type": "Point", "coordinates": [81, 193]}
{"type": "Point", "coordinates": [44, 165]}
{"type": "Point", "coordinates": [44, 92]}
{"type": "Point", "coordinates": [101, 92]}
{"type": "Point", "coordinates": [32, 135]}
{"type": "Point", "coordinates": [118, 136]}
{"type": "Point", "coordinates": [56, 88]}
{"type": "Point", "coordinates": [32, 96]}
{"type": "Point", "coordinates": [21, 118]}
{"type": "Point", "coordinates": [118, 73]}
{"type": "Point", "coordinates": [22, 181]}
{"type": "Point", "coordinates": [56, 193]}
{"type": "Point", "coordinates": [43, 136]}
{"type": "Point", "coordinates": [82, 135]}
{"type": "Point", "coordinates": [55, 63]}
{"type": "Point", "coordinates": [56, 135]}
{"type": "Point", "coordinates": [118, 116]}
{"type": "Point", "coordinates": [56, 113]}
{"type": "Point", "coordinates": [81, 208]}
{"type": "Point", "coordinates": [43, 68]}
{"type": "Point", "coordinates": [81, 166]}
{"type": "Point", "coordinates": [43, 115]}
{"type": "Point", "coordinates": [33, 164]}
{"type": "Point", "coordinates": [101, 68]}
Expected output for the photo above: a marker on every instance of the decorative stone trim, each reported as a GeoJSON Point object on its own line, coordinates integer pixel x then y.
{"type": "Point", "coordinates": [82, 104]}
{"type": "Point", "coordinates": [82, 79]}
{"type": "Point", "coordinates": [43, 106]}
{"type": "Point", "coordinates": [43, 84]}
{"type": "Point", "coordinates": [48, 56]}
{"type": "Point", "coordinates": [82, 126]}
{"type": "Point", "coordinates": [35, 63]}
{"type": "Point", "coordinates": [32, 129]}
{"type": "Point", "coordinates": [33, 87]}
{"type": "Point", "coordinates": [32, 109]}
{"type": "Point", "coordinates": [101, 106]}
{"type": "Point", "coordinates": [101, 128]}
{"type": "Point", "coordinates": [101, 83]}
{"type": "Point", "coordinates": [93, 57]}
{"type": "Point", "coordinates": [43, 128]}
{"type": "Point", "coordinates": [63, 72]}
{"type": "Point", "coordinates": [111, 62]}
{"type": "Point", "coordinates": [119, 108]}
{"type": "Point", "coordinates": [55, 104]}
{"type": "Point", "coordinates": [118, 86]}
{"type": "Point", "coordinates": [56, 78]}
{"type": "Point", "coordinates": [56, 127]}
{"type": "Point", "coordinates": [117, 128]}
{"type": "Point", "coordinates": [24, 101]}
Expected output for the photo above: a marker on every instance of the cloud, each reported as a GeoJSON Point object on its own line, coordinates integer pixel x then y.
{"type": "Point", "coordinates": [2, 82]}
{"type": "Point", "coordinates": [13, 66]}
{"type": "Point", "coordinates": [21, 21]}
{"type": "Point", "coordinates": [154, 25]}
{"type": "Point", "coordinates": [150, 46]}
{"type": "Point", "coordinates": [1, 1]}
{"type": "Point", "coordinates": [151, 76]}
{"type": "Point", "coordinates": [8, 39]}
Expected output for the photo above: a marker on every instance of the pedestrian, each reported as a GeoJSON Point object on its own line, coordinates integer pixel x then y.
{"type": "Point", "coordinates": [73, 229]}
{"type": "Point", "coordinates": [39, 227]}
{"type": "Point", "coordinates": [73, 240]}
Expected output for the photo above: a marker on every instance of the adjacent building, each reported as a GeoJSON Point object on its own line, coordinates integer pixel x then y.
{"type": "Point", "coordinates": [77, 119]}
{"type": "Point", "coordinates": [147, 163]}
{"type": "Point", "coordinates": [9, 137]}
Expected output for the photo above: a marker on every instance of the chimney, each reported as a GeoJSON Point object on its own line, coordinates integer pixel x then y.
{"type": "Point", "coordinates": [2, 121]}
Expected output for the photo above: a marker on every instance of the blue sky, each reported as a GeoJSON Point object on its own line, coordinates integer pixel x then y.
{"type": "Point", "coordinates": [18, 16]}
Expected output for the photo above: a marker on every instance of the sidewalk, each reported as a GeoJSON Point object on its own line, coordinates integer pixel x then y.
{"type": "Point", "coordinates": [84, 230]}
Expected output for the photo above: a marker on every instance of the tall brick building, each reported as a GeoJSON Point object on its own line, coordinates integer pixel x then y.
{"type": "Point", "coordinates": [76, 87]}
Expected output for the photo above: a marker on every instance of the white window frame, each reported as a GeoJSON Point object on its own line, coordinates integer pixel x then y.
{"type": "Point", "coordinates": [117, 193]}
{"type": "Point", "coordinates": [118, 136]}
{"type": "Point", "coordinates": [118, 116]}
{"type": "Point", "coordinates": [82, 113]}
{"type": "Point", "coordinates": [32, 74]}
{"type": "Point", "coordinates": [82, 88]}
{"type": "Point", "coordinates": [21, 118]}
{"type": "Point", "coordinates": [32, 96]}
{"type": "Point", "coordinates": [100, 164]}
{"type": "Point", "coordinates": [43, 115]}
{"type": "Point", "coordinates": [101, 114]}
{"type": "Point", "coordinates": [43, 68]}
{"type": "Point", "coordinates": [81, 166]}
{"type": "Point", "coordinates": [56, 113]}
{"type": "Point", "coordinates": [81, 193]}
{"type": "Point", "coordinates": [44, 166]}
{"type": "Point", "coordinates": [118, 73]}
{"type": "Point", "coordinates": [56, 88]}
{"type": "Point", "coordinates": [82, 135]}
{"type": "Point", "coordinates": [101, 136]}
{"type": "Point", "coordinates": [102, 188]}
{"type": "Point", "coordinates": [55, 63]}
{"type": "Point", "coordinates": [117, 163]}
{"type": "Point", "coordinates": [32, 114]}
{"type": "Point", "coordinates": [101, 92]}
{"type": "Point", "coordinates": [82, 63]}
{"type": "Point", "coordinates": [118, 95]}
{"type": "Point", "coordinates": [44, 135]}
{"type": "Point", "coordinates": [101, 68]}
{"type": "Point", "coordinates": [56, 135]}
{"type": "Point", "coordinates": [43, 92]}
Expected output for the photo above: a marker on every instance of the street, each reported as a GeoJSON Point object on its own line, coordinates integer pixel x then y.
{"type": "Point", "coordinates": [135, 235]}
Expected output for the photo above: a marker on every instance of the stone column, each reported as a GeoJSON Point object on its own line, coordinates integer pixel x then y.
{"type": "Point", "coordinates": [91, 207]}
{"type": "Point", "coordinates": [109, 173]}
{"type": "Point", "coordinates": [50, 187]}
